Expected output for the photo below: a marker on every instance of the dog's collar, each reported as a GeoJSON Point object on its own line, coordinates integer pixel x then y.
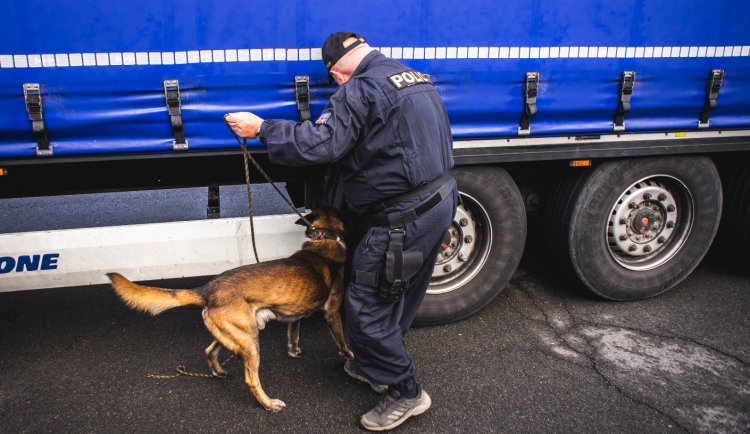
{"type": "Point", "coordinates": [322, 235]}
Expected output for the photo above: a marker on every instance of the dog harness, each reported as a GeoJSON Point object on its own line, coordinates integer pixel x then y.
{"type": "Point", "coordinates": [401, 265]}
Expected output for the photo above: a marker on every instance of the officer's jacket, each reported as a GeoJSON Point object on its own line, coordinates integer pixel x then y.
{"type": "Point", "coordinates": [386, 128]}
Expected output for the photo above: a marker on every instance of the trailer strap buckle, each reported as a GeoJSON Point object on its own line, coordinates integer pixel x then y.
{"type": "Point", "coordinates": [302, 97]}
{"type": "Point", "coordinates": [530, 91]}
{"type": "Point", "coordinates": [714, 86]}
{"type": "Point", "coordinates": [32, 96]}
{"type": "Point", "coordinates": [626, 91]}
{"type": "Point", "coordinates": [172, 96]}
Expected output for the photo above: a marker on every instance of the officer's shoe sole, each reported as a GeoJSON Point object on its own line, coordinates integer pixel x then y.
{"type": "Point", "coordinates": [423, 404]}
{"type": "Point", "coordinates": [353, 370]}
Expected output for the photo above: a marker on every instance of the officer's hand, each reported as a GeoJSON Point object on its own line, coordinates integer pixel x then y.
{"type": "Point", "coordinates": [245, 124]}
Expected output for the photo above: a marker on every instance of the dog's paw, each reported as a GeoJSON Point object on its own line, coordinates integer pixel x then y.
{"type": "Point", "coordinates": [219, 374]}
{"type": "Point", "coordinates": [293, 352]}
{"type": "Point", "coordinates": [275, 405]}
{"type": "Point", "coordinates": [348, 355]}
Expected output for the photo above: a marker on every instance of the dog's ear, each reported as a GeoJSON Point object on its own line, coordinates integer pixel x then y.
{"type": "Point", "coordinates": [310, 217]}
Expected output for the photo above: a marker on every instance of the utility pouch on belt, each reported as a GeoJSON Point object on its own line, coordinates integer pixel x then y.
{"type": "Point", "coordinates": [400, 265]}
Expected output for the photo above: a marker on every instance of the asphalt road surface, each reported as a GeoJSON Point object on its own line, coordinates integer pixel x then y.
{"type": "Point", "coordinates": [545, 356]}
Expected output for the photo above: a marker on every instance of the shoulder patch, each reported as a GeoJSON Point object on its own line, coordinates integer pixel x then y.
{"type": "Point", "coordinates": [323, 118]}
{"type": "Point", "coordinates": [405, 79]}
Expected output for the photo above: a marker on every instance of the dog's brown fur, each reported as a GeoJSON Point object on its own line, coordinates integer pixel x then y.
{"type": "Point", "coordinates": [238, 302]}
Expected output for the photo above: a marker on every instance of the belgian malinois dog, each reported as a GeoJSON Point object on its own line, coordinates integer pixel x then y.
{"type": "Point", "coordinates": [238, 303]}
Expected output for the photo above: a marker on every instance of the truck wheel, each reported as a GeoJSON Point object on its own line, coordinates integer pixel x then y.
{"type": "Point", "coordinates": [738, 210]}
{"type": "Point", "coordinates": [632, 229]}
{"type": "Point", "coordinates": [486, 243]}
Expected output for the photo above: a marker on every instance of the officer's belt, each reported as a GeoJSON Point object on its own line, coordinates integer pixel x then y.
{"type": "Point", "coordinates": [382, 206]}
{"type": "Point", "coordinates": [398, 219]}
{"type": "Point", "coordinates": [400, 266]}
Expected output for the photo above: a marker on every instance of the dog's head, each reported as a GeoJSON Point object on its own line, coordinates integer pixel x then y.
{"type": "Point", "coordinates": [324, 219]}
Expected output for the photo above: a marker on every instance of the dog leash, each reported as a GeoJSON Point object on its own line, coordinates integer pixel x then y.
{"type": "Point", "coordinates": [181, 371]}
{"type": "Point", "coordinates": [248, 156]}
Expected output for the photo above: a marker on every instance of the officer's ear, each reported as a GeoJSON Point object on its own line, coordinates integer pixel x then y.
{"type": "Point", "coordinates": [310, 217]}
{"type": "Point", "coordinates": [338, 77]}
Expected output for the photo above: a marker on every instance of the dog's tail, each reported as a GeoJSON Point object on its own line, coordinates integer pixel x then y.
{"type": "Point", "coordinates": [153, 300]}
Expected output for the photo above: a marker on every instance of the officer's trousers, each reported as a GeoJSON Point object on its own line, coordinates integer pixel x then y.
{"type": "Point", "coordinates": [376, 328]}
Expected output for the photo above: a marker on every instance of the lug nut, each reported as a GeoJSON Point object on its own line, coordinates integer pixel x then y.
{"type": "Point", "coordinates": [464, 221]}
{"type": "Point", "coordinates": [670, 208]}
{"type": "Point", "coordinates": [454, 233]}
{"type": "Point", "coordinates": [623, 221]}
{"type": "Point", "coordinates": [463, 258]}
{"type": "Point", "coordinates": [646, 196]}
{"type": "Point", "coordinates": [670, 224]}
{"type": "Point", "coordinates": [447, 268]}
{"type": "Point", "coordinates": [632, 248]}
{"type": "Point", "coordinates": [655, 208]}
{"type": "Point", "coordinates": [657, 217]}
{"type": "Point", "coordinates": [623, 237]}
{"type": "Point", "coordinates": [646, 248]}
{"type": "Point", "coordinates": [662, 197]}
{"type": "Point", "coordinates": [453, 244]}
{"type": "Point", "coordinates": [661, 240]}
{"type": "Point", "coordinates": [632, 205]}
{"type": "Point", "coordinates": [468, 239]}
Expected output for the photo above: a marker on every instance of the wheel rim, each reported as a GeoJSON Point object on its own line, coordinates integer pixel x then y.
{"type": "Point", "coordinates": [469, 248]}
{"type": "Point", "coordinates": [650, 222]}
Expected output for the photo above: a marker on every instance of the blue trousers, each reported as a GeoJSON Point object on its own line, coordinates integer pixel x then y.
{"type": "Point", "coordinates": [376, 328]}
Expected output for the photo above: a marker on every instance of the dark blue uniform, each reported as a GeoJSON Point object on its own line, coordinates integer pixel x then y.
{"type": "Point", "coordinates": [388, 132]}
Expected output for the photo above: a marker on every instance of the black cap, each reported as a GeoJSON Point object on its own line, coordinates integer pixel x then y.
{"type": "Point", "coordinates": [334, 50]}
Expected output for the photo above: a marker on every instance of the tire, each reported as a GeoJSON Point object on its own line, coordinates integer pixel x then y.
{"type": "Point", "coordinates": [737, 210]}
{"type": "Point", "coordinates": [671, 208]}
{"type": "Point", "coordinates": [496, 222]}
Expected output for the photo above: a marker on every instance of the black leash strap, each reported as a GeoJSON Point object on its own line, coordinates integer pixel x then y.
{"type": "Point", "coordinates": [248, 156]}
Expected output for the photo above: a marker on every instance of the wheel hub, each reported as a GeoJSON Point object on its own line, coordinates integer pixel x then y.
{"type": "Point", "coordinates": [642, 220]}
{"type": "Point", "coordinates": [455, 249]}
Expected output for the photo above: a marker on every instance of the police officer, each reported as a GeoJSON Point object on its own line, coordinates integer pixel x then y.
{"type": "Point", "coordinates": [388, 131]}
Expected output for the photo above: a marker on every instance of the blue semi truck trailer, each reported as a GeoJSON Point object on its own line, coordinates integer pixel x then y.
{"type": "Point", "coordinates": [617, 131]}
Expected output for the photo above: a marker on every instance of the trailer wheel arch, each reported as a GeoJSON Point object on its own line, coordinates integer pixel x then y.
{"type": "Point", "coordinates": [496, 224]}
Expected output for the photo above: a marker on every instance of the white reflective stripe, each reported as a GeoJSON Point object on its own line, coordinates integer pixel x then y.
{"type": "Point", "coordinates": [75, 59]}
{"type": "Point", "coordinates": [154, 58]}
{"type": "Point", "coordinates": [149, 251]}
{"type": "Point", "coordinates": [35, 61]}
{"type": "Point", "coordinates": [128, 58]}
{"type": "Point", "coordinates": [20, 61]}
{"type": "Point", "coordinates": [102, 59]}
{"type": "Point", "coordinates": [231, 55]}
{"type": "Point", "coordinates": [61, 59]}
{"type": "Point", "coordinates": [89, 59]}
{"type": "Point", "coordinates": [300, 54]}
{"type": "Point", "coordinates": [115, 59]}
{"type": "Point", "coordinates": [167, 58]}
{"type": "Point", "coordinates": [6, 61]}
{"type": "Point", "coordinates": [48, 60]}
